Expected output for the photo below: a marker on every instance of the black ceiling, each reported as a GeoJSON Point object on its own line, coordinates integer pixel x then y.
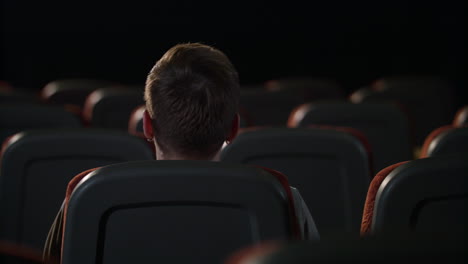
{"type": "Point", "coordinates": [351, 41]}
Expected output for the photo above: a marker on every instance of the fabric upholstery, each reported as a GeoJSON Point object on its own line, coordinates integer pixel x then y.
{"type": "Point", "coordinates": [370, 198]}
{"type": "Point", "coordinates": [430, 138]}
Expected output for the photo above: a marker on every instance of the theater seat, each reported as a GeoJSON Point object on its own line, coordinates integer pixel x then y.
{"type": "Point", "coordinates": [427, 196]}
{"type": "Point", "coordinates": [271, 107]}
{"type": "Point", "coordinates": [446, 140]}
{"type": "Point", "coordinates": [71, 91]}
{"type": "Point", "coordinates": [330, 168]}
{"type": "Point", "coordinates": [16, 117]}
{"type": "Point", "coordinates": [172, 212]}
{"type": "Point", "coordinates": [428, 100]}
{"type": "Point", "coordinates": [36, 167]}
{"type": "Point", "coordinates": [385, 126]}
{"type": "Point", "coordinates": [112, 107]}
{"type": "Point", "coordinates": [461, 117]}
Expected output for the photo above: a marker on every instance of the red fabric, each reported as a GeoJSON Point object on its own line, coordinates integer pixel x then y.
{"type": "Point", "coordinates": [431, 137]}
{"type": "Point", "coordinates": [71, 186]}
{"type": "Point", "coordinates": [370, 198]}
{"type": "Point", "coordinates": [20, 252]}
{"type": "Point", "coordinates": [284, 182]}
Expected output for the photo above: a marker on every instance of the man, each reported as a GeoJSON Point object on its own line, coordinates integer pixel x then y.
{"type": "Point", "coordinates": [192, 102]}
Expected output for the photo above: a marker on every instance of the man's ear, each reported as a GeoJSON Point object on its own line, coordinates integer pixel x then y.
{"type": "Point", "coordinates": [147, 125]}
{"type": "Point", "coordinates": [234, 128]}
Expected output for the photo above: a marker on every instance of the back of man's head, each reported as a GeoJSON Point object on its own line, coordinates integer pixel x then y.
{"type": "Point", "coordinates": [192, 96]}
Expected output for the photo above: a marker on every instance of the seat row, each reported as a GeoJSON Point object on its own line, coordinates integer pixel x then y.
{"type": "Point", "coordinates": [175, 216]}
{"type": "Point", "coordinates": [330, 166]}
{"type": "Point", "coordinates": [427, 101]}
{"type": "Point", "coordinates": [201, 211]}
{"type": "Point", "coordinates": [384, 125]}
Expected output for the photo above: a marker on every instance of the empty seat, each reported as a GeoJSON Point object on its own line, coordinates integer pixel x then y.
{"type": "Point", "coordinates": [385, 126]}
{"type": "Point", "coordinates": [270, 104]}
{"type": "Point", "coordinates": [172, 212]}
{"type": "Point", "coordinates": [270, 108]}
{"type": "Point", "coordinates": [112, 107]}
{"type": "Point", "coordinates": [71, 91]}
{"type": "Point", "coordinates": [309, 88]}
{"type": "Point", "coordinates": [328, 166]}
{"type": "Point", "coordinates": [427, 196]}
{"type": "Point", "coordinates": [461, 117]}
{"type": "Point", "coordinates": [36, 167]}
{"type": "Point", "coordinates": [446, 140]}
{"type": "Point", "coordinates": [407, 249]}
{"type": "Point", "coordinates": [429, 101]}
{"type": "Point", "coordinates": [21, 116]}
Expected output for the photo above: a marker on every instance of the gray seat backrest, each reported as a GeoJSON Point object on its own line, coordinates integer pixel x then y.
{"type": "Point", "coordinates": [112, 107]}
{"type": "Point", "coordinates": [16, 117]}
{"type": "Point", "coordinates": [329, 167]}
{"type": "Point", "coordinates": [36, 167]}
{"type": "Point", "coordinates": [448, 142]}
{"type": "Point", "coordinates": [172, 212]}
{"type": "Point", "coordinates": [428, 196]}
{"type": "Point", "coordinates": [384, 125]}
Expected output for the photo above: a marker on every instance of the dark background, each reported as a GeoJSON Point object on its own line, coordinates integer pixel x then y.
{"type": "Point", "coordinates": [352, 42]}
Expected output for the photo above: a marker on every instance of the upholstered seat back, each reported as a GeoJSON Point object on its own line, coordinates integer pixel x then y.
{"type": "Point", "coordinates": [446, 140]}
{"type": "Point", "coordinates": [429, 101]}
{"type": "Point", "coordinates": [71, 91]}
{"type": "Point", "coordinates": [112, 107]}
{"type": "Point", "coordinates": [329, 167]}
{"type": "Point", "coordinates": [16, 117]}
{"type": "Point", "coordinates": [36, 167]}
{"type": "Point", "coordinates": [385, 126]}
{"type": "Point", "coordinates": [172, 212]}
{"type": "Point", "coordinates": [427, 196]}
